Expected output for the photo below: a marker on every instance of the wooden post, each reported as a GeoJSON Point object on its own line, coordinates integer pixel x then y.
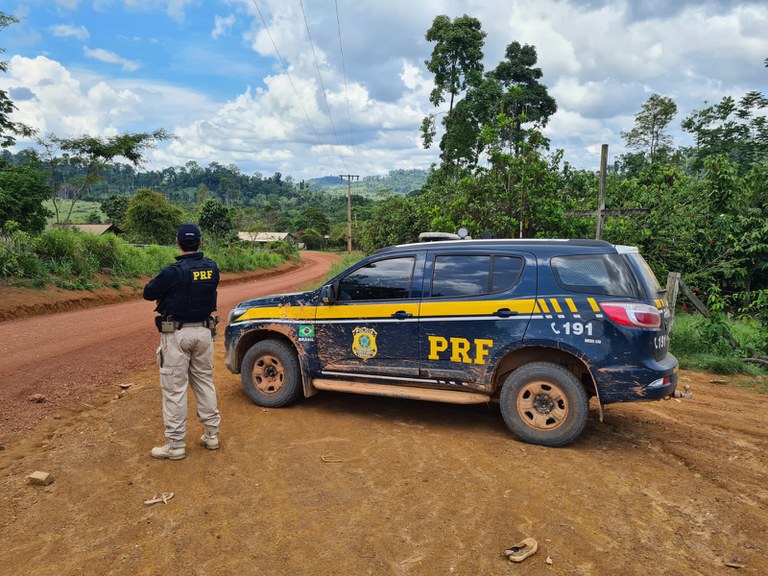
{"type": "Point", "coordinates": [673, 284]}
{"type": "Point", "coordinates": [601, 200]}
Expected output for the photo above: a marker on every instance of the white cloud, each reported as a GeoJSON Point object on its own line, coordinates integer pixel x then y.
{"type": "Point", "coordinates": [222, 25]}
{"type": "Point", "coordinates": [67, 31]}
{"type": "Point", "coordinates": [600, 59]}
{"type": "Point", "coordinates": [109, 57]}
{"type": "Point", "coordinates": [66, 104]}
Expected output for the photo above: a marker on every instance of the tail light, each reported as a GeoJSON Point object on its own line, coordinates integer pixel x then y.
{"type": "Point", "coordinates": [632, 314]}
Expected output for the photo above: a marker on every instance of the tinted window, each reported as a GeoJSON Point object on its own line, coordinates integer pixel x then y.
{"type": "Point", "coordinates": [607, 274]}
{"type": "Point", "coordinates": [472, 275]}
{"type": "Point", "coordinates": [382, 280]}
{"type": "Point", "coordinates": [506, 272]}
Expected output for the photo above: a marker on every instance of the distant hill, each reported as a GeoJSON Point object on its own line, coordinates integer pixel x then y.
{"type": "Point", "coordinates": [396, 181]}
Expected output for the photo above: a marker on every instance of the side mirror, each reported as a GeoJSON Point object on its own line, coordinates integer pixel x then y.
{"type": "Point", "coordinates": [328, 294]}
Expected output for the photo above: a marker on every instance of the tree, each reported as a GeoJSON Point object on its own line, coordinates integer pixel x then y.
{"type": "Point", "coordinates": [92, 155]}
{"type": "Point", "coordinates": [456, 63]}
{"type": "Point", "coordinates": [738, 130]}
{"type": "Point", "coordinates": [524, 99]}
{"type": "Point", "coordinates": [395, 220]}
{"type": "Point", "coordinates": [8, 129]}
{"type": "Point", "coordinates": [313, 218]}
{"type": "Point", "coordinates": [22, 191]}
{"type": "Point", "coordinates": [312, 239]}
{"type": "Point", "coordinates": [648, 134]}
{"type": "Point", "coordinates": [115, 208]}
{"type": "Point", "coordinates": [216, 219]}
{"type": "Point", "coordinates": [151, 218]}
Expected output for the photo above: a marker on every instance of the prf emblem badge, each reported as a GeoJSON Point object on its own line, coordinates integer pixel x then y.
{"type": "Point", "coordinates": [364, 343]}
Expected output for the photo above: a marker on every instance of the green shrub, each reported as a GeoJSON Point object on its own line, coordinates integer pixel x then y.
{"type": "Point", "coordinates": [700, 343]}
{"type": "Point", "coordinates": [286, 250]}
{"type": "Point", "coordinates": [239, 258]}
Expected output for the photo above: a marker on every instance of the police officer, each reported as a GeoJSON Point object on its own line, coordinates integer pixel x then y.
{"type": "Point", "coordinates": [186, 297]}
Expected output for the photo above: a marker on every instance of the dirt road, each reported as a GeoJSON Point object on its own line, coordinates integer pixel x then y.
{"type": "Point", "coordinates": [342, 484]}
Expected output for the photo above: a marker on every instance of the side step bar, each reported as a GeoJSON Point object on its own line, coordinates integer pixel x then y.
{"type": "Point", "coordinates": [449, 396]}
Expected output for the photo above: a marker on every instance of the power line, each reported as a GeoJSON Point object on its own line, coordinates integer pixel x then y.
{"type": "Point", "coordinates": [293, 86]}
{"type": "Point", "coordinates": [346, 90]}
{"type": "Point", "coordinates": [319, 75]}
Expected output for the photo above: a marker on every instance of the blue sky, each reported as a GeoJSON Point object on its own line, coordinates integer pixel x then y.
{"type": "Point", "coordinates": [356, 88]}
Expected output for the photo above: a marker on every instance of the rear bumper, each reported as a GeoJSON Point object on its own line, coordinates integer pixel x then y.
{"type": "Point", "coordinates": [651, 381]}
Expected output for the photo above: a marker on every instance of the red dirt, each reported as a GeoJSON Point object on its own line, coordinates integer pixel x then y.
{"type": "Point", "coordinates": [343, 484]}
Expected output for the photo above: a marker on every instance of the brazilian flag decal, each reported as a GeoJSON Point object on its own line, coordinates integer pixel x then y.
{"type": "Point", "coordinates": [306, 331]}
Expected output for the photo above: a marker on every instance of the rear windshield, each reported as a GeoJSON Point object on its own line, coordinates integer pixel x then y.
{"type": "Point", "coordinates": [645, 272]}
{"type": "Point", "coordinates": [604, 274]}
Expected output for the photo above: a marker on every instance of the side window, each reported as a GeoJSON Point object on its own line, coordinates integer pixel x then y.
{"type": "Point", "coordinates": [472, 275]}
{"type": "Point", "coordinates": [606, 274]}
{"type": "Point", "coordinates": [506, 272]}
{"type": "Point", "coordinates": [382, 280]}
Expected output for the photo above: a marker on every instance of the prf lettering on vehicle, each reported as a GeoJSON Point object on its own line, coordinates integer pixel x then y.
{"type": "Point", "coordinates": [202, 275]}
{"type": "Point", "coordinates": [461, 349]}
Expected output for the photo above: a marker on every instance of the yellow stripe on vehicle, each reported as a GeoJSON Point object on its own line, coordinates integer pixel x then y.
{"type": "Point", "coordinates": [378, 311]}
{"type": "Point", "coordinates": [477, 308]}
{"type": "Point", "coordinates": [555, 305]}
{"type": "Point", "coordinates": [571, 305]}
{"type": "Point", "coordinates": [365, 311]}
{"type": "Point", "coordinates": [279, 313]}
{"type": "Point", "coordinates": [593, 304]}
{"type": "Point", "coordinates": [543, 305]}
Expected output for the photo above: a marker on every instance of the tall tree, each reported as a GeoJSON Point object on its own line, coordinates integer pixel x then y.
{"type": "Point", "coordinates": [92, 155]}
{"type": "Point", "coordinates": [8, 129]}
{"type": "Point", "coordinates": [456, 63]}
{"type": "Point", "coordinates": [151, 218]}
{"type": "Point", "coordinates": [22, 192]}
{"type": "Point", "coordinates": [648, 134]}
{"type": "Point", "coordinates": [216, 219]}
{"type": "Point", "coordinates": [115, 208]}
{"type": "Point", "coordinates": [737, 129]}
{"type": "Point", "coordinates": [524, 98]}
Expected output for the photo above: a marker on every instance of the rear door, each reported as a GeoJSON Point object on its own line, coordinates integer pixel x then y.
{"type": "Point", "coordinates": [476, 307]}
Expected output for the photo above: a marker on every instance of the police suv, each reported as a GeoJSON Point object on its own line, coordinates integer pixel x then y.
{"type": "Point", "coordinates": [539, 326]}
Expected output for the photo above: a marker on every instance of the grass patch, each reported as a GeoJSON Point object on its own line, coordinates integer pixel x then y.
{"type": "Point", "coordinates": [83, 210]}
{"type": "Point", "coordinates": [75, 260]}
{"type": "Point", "coordinates": [700, 347]}
{"type": "Point", "coordinates": [760, 385]}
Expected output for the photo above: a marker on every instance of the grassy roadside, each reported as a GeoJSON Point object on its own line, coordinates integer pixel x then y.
{"type": "Point", "coordinates": [74, 260]}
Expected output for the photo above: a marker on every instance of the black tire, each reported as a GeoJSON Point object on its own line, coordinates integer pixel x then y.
{"type": "Point", "coordinates": [543, 403]}
{"type": "Point", "coordinates": [271, 375]}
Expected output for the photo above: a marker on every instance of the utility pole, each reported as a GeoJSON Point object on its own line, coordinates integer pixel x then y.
{"type": "Point", "coordinates": [349, 178]}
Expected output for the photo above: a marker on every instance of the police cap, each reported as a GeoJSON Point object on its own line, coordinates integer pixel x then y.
{"type": "Point", "coordinates": [188, 232]}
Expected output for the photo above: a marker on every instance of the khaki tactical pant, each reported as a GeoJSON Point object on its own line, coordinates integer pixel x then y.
{"type": "Point", "coordinates": [186, 356]}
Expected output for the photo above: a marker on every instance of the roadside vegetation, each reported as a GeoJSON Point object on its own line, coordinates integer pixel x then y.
{"type": "Point", "coordinates": [700, 210]}
{"type": "Point", "coordinates": [74, 260]}
{"type": "Point", "coordinates": [702, 345]}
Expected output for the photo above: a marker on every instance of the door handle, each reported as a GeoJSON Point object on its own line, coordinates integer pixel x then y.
{"type": "Point", "coordinates": [402, 315]}
{"type": "Point", "coordinates": [505, 313]}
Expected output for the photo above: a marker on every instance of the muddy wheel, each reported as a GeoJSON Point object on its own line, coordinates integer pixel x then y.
{"type": "Point", "coordinates": [270, 374]}
{"type": "Point", "coordinates": [543, 403]}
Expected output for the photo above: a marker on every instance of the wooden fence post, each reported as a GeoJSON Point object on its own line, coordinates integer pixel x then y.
{"type": "Point", "coordinates": [673, 283]}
